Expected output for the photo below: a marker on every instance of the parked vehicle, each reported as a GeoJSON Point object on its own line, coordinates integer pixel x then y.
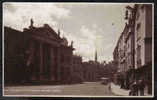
{"type": "Point", "coordinates": [105, 81]}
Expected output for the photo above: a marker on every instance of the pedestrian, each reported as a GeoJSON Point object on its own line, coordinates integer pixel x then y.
{"type": "Point", "coordinates": [122, 83]}
{"type": "Point", "coordinates": [134, 89]}
{"type": "Point", "coordinates": [109, 87]}
{"type": "Point", "coordinates": [141, 87]}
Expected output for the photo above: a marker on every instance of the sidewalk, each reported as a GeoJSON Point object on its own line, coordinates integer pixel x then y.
{"type": "Point", "coordinates": [118, 91]}
{"type": "Point", "coordinates": [122, 92]}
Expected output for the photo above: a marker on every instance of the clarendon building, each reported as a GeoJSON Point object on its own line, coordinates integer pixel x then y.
{"type": "Point", "coordinates": [36, 54]}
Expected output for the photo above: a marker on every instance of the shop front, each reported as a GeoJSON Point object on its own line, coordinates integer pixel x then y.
{"type": "Point", "coordinates": [145, 73]}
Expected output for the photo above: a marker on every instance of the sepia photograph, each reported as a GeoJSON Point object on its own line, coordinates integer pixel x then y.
{"type": "Point", "coordinates": [78, 49]}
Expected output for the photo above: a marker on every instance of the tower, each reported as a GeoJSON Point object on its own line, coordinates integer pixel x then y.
{"type": "Point", "coordinates": [95, 56]}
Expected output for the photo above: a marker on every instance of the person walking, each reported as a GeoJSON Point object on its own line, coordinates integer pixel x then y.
{"type": "Point", "coordinates": [122, 83]}
{"type": "Point", "coordinates": [141, 87]}
{"type": "Point", "coordinates": [134, 89]}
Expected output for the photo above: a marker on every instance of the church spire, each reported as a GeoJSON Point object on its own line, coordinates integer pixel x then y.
{"type": "Point", "coordinates": [96, 56]}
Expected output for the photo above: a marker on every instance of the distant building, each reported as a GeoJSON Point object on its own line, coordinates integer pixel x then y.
{"type": "Point", "coordinates": [92, 70]}
{"type": "Point", "coordinates": [77, 69]}
{"type": "Point", "coordinates": [116, 56]}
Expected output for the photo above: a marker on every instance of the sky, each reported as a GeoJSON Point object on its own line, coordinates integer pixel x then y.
{"type": "Point", "coordinates": [91, 26]}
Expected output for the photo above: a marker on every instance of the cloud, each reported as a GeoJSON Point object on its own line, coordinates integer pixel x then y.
{"type": "Point", "coordinates": [84, 43]}
{"type": "Point", "coordinates": [89, 40]}
{"type": "Point", "coordinates": [16, 13]}
{"type": "Point", "coordinates": [91, 26]}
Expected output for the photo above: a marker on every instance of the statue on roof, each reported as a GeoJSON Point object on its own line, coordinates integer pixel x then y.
{"type": "Point", "coordinates": [31, 23]}
{"type": "Point", "coordinates": [64, 41]}
{"type": "Point", "coordinates": [58, 32]}
{"type": "Point", "coordinates": [72, 43]}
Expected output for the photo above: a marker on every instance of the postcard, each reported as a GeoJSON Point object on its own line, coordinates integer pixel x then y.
{"type": "Point", "coordinates": [78, 49]}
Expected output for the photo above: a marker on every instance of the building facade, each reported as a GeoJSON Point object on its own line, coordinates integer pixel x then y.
{"type": "Point", "coordinates": [91, 71]}
{"type": "Point", "coordinates": [77, 69]}
{"type": "Point", "coordinates": [143, 43]}
{"type": "Point", "coordinates": [13, 50]}
{"type": "Point", "coordinates": [133, 52]}
{"type": "Point", "coordinates": [123, 57]}
{"type": "Point", "coordinates": [47, 56]}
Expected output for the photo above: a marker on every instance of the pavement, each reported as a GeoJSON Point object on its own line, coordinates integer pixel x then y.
{"type": "Point", "coordinates": [122, 92]}
{"type": "Point", "coordinates": [118, 91]}
{"type": "Point", "coordinates": [85, 89]}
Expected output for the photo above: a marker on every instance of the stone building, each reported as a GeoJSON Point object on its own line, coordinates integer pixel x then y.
{"type": "Point", "coordinates": [48, 57]}
{"type": "Point", "coordinates": [130, 46]}
{"type": "Point", "coordinates": [133, 52]}
{"type": "Point", "coordinates": [115, 55]}
{"type": "Point", "coordinates": [119, 51]}
{"type": "Point", "coordinates": [13, 58]}
{"type": "Point", "coordinates": [116, 64]}
{"type": "Point", "coordinates": [91, 69]}
{"type": "Point", "coordinates": [143, 43]}
{"type": "Point", "coordinates": [121, 55]}
{"type": "Point", "coordinates": [77, 69]}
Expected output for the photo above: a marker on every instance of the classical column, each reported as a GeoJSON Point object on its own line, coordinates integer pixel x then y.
{"type": "Point", "coordinates": [41, 60]}
{"type": "Point", "coordinates": [71, 62]}
{"type": "Point", "coordinates": [51, 64]}
{"type": "Point", "coordinates": [58, 64]}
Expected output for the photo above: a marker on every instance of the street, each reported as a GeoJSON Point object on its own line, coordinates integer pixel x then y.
{"type": "Point", "coordinates": [85, 89]}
